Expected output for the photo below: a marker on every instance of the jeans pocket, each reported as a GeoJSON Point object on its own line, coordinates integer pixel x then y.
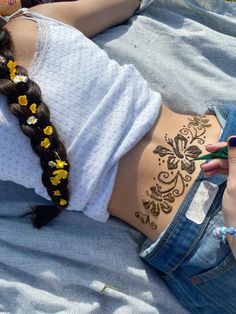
{"type": "Point", "coordinates": [219, 283]}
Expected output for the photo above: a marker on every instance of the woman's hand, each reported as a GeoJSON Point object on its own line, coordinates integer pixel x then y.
{"type": "Point", "coordinates": [215, 166]}
{"type": "Point", "coordinates": [226, 167]}
{"type": "Point", "coordinates": [229, 197]}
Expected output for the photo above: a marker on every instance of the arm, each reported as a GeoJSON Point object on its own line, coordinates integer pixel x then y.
{"type": "Point", "coordinates": [229, 197]}
{"type": "Point", "coordinates": [219, 166]}
{"type": "Point", "coordinates": [89, 16]}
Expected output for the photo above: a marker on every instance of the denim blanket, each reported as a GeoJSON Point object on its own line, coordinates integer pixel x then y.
{"type": "Point", "coordinates": [186, 50]}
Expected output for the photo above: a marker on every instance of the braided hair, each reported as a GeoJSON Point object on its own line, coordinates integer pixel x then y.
{"type": "Point", "coordinates": [25, 102]}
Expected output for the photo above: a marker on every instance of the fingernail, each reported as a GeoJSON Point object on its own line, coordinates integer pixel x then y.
{"type": "Point", "coordinates": [232, 142]}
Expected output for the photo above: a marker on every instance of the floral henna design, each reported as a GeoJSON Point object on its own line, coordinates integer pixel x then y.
{"type": "Point", "coordinates": [179, 155]}
{"type": "Point", "coordinates": [196, 129]}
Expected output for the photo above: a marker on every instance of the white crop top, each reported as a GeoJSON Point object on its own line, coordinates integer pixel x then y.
{"type": "Point", "coordinates": [100, 109]}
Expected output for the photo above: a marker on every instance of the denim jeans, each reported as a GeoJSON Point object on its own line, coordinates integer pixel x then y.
{"type": "Point", "coordinates": [199, 269]}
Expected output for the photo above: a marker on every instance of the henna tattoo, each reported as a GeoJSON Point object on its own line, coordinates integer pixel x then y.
{"type": "Point", "coordinates": [178, 155]}
{"type": "Point", "coordinates": [198, 125]}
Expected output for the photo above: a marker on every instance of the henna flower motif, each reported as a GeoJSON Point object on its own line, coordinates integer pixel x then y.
{"type": "Point", "coordinates": [160, 201]}
{"type": "Point", "coordinates": [33, 108]}
{"type": "Point", "coordinates": [199, 121]}
{"type": "Point", "coordinates": [179, 153]}
{"type": "Point", "coordinates": [22, 100]}
{"type": "Point", "coordinates": [45, 143]}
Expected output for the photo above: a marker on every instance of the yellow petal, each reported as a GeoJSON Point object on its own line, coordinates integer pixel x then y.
{"type": "Point", "coordinates": [57, 193]}
{"type": "Point", "coordinates": [23, 101]}
{"type": "Point", "coordinates": [63, 202]}
{"type": "Point", "coordinates": [48, 130]}
{"type": "Point", "coordinates": [62, 174]}
{"type": "Point", "coordinates": [12, 75]}
{"type": "Point", "coordinates": [33, 108]}
{"type": "Point", "coordinates": [61, 163]}
{"type": "Point", "coordinates": [55, 180]}
{"type": "Point", "coordinates": [45, 143]}
{"type": "Point", "coordinates": [11, 65]}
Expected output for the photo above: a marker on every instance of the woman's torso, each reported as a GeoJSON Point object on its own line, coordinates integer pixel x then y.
{"type": "Point", "coordinates": [100, 109]}
{"type": "Point", "coordinates": [154, 176]}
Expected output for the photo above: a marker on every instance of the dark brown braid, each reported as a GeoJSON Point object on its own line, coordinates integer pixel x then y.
{"type": "Point", "coordinates": [53, 159]}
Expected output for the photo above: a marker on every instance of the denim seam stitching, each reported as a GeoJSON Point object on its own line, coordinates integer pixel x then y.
{"type": "Point", "coordinates": [213, 299]}
{"type": "Point", "coordinates": [196, 240]}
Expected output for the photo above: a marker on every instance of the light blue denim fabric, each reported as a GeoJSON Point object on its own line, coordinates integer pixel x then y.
{"type": "Point", "coordinates": [12, 192]}
{"type": "Point", "coordinates": [199, 269]}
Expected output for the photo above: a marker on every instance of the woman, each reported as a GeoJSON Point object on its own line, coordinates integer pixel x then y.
{"type": "Point", "coordinates": [104, 115]}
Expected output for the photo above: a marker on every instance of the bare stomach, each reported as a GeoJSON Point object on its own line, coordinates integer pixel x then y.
{"type": "Point", "coordinates": [155, 176]}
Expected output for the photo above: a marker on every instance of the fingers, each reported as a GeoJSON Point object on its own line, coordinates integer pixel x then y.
{"type": "Point", "coordinates": [216, 171]}
{"type": "Point", "coordinates": [211, 148]}
{"type": "Point", "coordinates": [222, 166]}
{"type": "Point", "coordinates": [215, 166]}
{"type": "Point", "coordinates": [232, 163]}
{"type": "Point", "coordinates": [229, 197]}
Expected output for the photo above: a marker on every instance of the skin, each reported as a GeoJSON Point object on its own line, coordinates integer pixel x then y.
{"type": "Point", "coordinates": [215, 166]}
{"type": "Point", "coordinates": [141, 169]}
{"type": "Point", "coordinates": [138, 168]}
{"type": "Point", "coordinates": [226, 167]}
{"type": "Point", "coordinates": [9, 7]}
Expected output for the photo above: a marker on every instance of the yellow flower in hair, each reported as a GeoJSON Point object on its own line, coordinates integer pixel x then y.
{"type": "Point", "coordinates": [11, 65]}
{"type": "Point", "coordinates": [63, 202]}
{"type": "Point", "coordinates": [45, 143]}
{"type": "Point", "coordinates": [33, 108]}
{"type": "Point", "coordinates": [23, 101]}
{"type": "Point", "coordinates": [62, 174]}
{"type": "Point", "coordinates": [13, 75]}
{"type": "Point", "coordinates": [57, 193]}
{"type": "Point", "coordinates": [48, 130]}
{"type": "Point", "coordinates": [55, 180]}
{"type": "Point", "coordinates": [12, 68]}
{"type": "Point", "coordinates": [60, 163]}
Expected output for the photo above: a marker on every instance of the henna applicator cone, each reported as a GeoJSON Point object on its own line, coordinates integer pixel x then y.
{"type": "Point", "coordinates": [220, 153]}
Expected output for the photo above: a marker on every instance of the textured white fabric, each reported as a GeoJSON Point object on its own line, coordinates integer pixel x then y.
{"type": "Point", "coordinates": [100, 109]}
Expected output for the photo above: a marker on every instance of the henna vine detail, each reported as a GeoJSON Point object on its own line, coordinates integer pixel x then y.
{"type": "Point", "coordinates": [179, 155]}
{"type": "Point", "coordinates": [196, 129]}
